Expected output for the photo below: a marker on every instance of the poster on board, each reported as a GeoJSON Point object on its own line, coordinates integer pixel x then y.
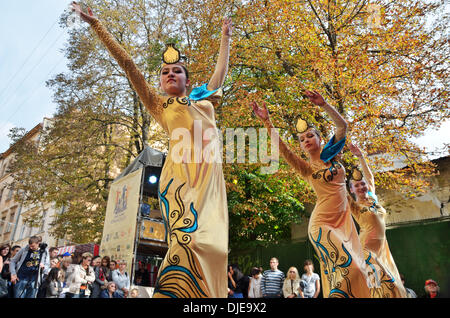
{"type": "Point", "coordinates": [119, 231]}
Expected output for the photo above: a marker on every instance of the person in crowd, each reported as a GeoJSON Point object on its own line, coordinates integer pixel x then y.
{"type": "Point", "coordinates": [105, 268]}
{"type": "Point", "coordinates": [237, 282]}
{"type": "Point", "coordinates": [112, 268]}
{"type": "Point", "coordinates": [81, 278]}
{"type": "Point", "coordinates": [26, 267]}
{"type": "Point", "coordinates": [122, 279]}
{"type": "Point", "coordinates": [272, 281]}
{"type": "Point", "coordinates": [143, 273]}
{"type": "Point", "coordinates": [409, 292]}
{"type": "Point", "coordinates": [254, 287]}
{"type": "Point", "coordinates": [134, 293]}
{"type": "Point", "coordinates": [67, 268]}
{"type": "Point", "coordinates": [14, 250]}
{"type": "Point", "coordinates": [54, 262]}
{"type": "Point", "coordinates": [96, 261]}
{"type": "Point", "coordinates": [53, 283]}
{"type": "Point", "coordinates": [101, 273]}
{"type": "Point", "coordinates": [5, 252]}
{"type": "Point", "coordinates": [310, 281]}
{"type": "Point", "coordinates": [53, 252]}
{"type": "Point", "coordinates": [5, 272]}
{"type": "Point", "coordinates": [291, 284]}
{"type": "Point", "coordinates": [110, 291]}
{"type": "Point", "coordinates": [432, 289]}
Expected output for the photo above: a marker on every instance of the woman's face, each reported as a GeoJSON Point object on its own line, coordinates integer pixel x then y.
{"type": "Point", "coordinates": [54, 262]}
{"type": "Point", "coordinates": [112, 265]}
{"type": "Point", "coordinates": [292, 273]}
{"type": "Point", "coordinates": [173, 80]}
{"type": "Point", "coordinates": [5, 251]}
{"type": "Point", "coordinates": [87, 261]}
{"type": "Point", "coordinates": [309, 268]}
{"type": "Point", "coordinates": [96, 262]}
{"type": "Point", "coordinates": [105, 263]}
{"type": "Point", "coordinates": [112, 287]}
{"type": "Point", "coordinates": [359, 188]}
{"type": "Point", "coordinates": [309, 141]}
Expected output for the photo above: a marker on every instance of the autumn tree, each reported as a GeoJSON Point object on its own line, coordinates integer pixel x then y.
{"type": "Point", "coordinates": [382, 64]}
{"type": "Point", "coordinates": [100, 124]}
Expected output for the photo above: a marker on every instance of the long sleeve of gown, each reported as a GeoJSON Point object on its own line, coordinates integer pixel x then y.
{"type": "Point", "coordinates": [292, 159]}
{"type": "Point", "coordinates": [221, 68]}
{"type": "Point", "coordinates": [146, 93]}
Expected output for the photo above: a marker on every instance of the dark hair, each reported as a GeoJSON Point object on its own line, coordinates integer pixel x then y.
{"type": "Point", "coordinates": [308, 262]}
{"type": "Point", "coordinates": [51, 249]}
{"type": "Point", "coordinates": [15, 246]}
{"type": "Point", "coordinates": [237, 273]}
{"type": "Point", "coordinates": [53, 274]}
{"type": "Point", "coordinates": [183, 67]}
{"type": "Point", "coordinates": [107, 259]}
{"type": "Point", "coordinates": [9, 251]}
{"type": "Point", "coordinates": [255, 271]}
{"type": "Point", "coordinates": [34, 239]}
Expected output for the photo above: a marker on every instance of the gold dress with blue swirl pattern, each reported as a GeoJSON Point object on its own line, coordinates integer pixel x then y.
{"type": "Point", "coordinates": [191, 190]}
{"type": "Point", "coordinates": [383, 272]}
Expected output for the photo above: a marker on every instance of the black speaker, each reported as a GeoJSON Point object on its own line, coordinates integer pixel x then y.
{"type": "Point", "coordinates": [151, 180]}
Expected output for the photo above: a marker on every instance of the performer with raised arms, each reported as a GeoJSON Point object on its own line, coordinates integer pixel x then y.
{"type": "Point", "coordinates": [370, 216]}
{"type": "Point", "coordinates": [331, 228]}
{"type": "Point", "coordinates": [192, 192]}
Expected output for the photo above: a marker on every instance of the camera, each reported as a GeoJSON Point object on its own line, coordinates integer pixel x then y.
{"type": "Point", "coordinates": [303, 285]}
{"type": "Point", "coordinates": [43, 246]}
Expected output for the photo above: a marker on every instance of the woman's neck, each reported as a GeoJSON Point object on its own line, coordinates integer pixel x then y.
{"type": "Point", "coordinates": [314, 156]}
{"type": "Point", "coordinates": [362, 198]}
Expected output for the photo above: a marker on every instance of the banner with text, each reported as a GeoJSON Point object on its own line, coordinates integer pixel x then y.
{"type": "Point", "coordinates": [119, 231]}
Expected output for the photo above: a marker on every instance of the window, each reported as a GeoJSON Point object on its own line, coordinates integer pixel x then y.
{"type": "Point", "coordinates": [44, 215]}
{"type": "Point", "coordinates": [10, 194]}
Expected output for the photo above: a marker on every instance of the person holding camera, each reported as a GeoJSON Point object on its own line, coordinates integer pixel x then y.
{"type": "Point", "coordinates": [310, 281]}
{"type": "Point", "coordinates": [81, 279]}
{"type": "Point", "coordinates": [27, 266]}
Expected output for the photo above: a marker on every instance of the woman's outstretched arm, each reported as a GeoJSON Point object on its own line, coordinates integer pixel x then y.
{"type": "Point", "coordinates": [146, 93]}
{"type": "Point", "coordinates": [221, 69]}
{"type": "Point", "coordinates": [340, 122]}
{"type": "Point", "coordinates": [294, 161]}
{"type": "Point", "coordinates": [367, 173]}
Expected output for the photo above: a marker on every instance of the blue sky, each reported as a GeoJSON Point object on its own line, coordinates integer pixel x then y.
{"type": "Point", "coordinates": [30, 54]}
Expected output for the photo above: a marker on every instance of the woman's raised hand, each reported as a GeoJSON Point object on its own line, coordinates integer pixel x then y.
{"type": "Point", "coordinates": [261, 113]}
{"type": "Point", "coordinates": [227, 26]}
{"type": "Point", "coordinates": [315, 98]}
{"type": "Point", "coordinates": [86, 17]}
{"type": "Point", "coordinates": [355, 150]}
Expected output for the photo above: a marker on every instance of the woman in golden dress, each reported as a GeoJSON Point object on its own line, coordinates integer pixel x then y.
{"type": "Point", "coordinates": [370, 215]}
{"type": "Point", "coordinates": [192, 192]}
{"type": "Point", "coordinates": [331, 228]}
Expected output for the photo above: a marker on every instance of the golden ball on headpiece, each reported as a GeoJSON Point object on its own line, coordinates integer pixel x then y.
{"type": "Point", "coordinates": [301, 125]}
{"type": "Point", "coordinates": [357, 175]}
{"type": "Point", "coordinates": [171, 55]}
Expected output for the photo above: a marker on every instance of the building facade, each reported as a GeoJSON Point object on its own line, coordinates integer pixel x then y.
{"type": "Point", "coordinates": [13, 228]}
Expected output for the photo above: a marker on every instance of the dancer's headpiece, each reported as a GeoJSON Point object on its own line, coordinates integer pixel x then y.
{"type": "Point", "coordinates": [356, 175]}
{"type": "Point", "coordinates": [172, 55]}
{"type": "Point", "coordinates": [302, 125]}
